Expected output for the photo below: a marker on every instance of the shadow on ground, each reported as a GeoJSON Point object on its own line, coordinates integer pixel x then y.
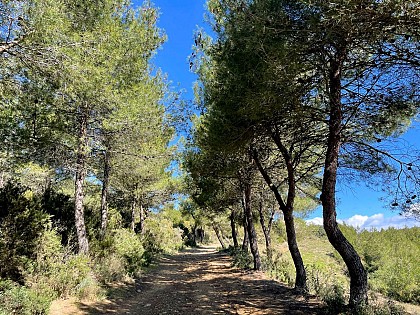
{"type": "Point", "coordinates": [202, 281]}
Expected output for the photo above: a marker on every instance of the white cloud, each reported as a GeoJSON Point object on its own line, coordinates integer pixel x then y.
{"type": "Point", "coordinates": [376, 221]}
{"type": "Point", "coordinates": [315, 221]}
{"type": "Point", "coordinates": [357, 220]}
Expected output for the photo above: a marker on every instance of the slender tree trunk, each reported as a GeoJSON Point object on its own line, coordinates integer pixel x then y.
{"type": "Point", "coordinates": [233, 228]}
{"type": "Point", "coordinates": [294, 250]}
{"type": "Point", "coordinates": [142, 218]}
{"type": "Point", "coordinates": [194, 234]}
{"type": "Point", "coordinates": [252, 234]}
{"type": "Point", "coordinates": [105, 187]}
{"type": "Point", "coordinates": [266, 230]}
{"type": "Point", "coordinates": [2, 181]}
{"type": "Point", "coordinates": [358, 275]}
{"type": "Point", "coordinates": [287, 209]}
{"type": "Point", "coordinates": [82, 152]}
{"type": "Point", "coordinates": [133, 213]}
{"type": "Point", "coordinates": [219, 235]}
{"type": "Point", "coordinates": [201, 236]}
{"type": "Point", "coordinates": [245, 242]}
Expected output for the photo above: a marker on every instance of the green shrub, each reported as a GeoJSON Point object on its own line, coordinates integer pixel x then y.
{"type": "Point", "coordinates": [121, 255]}
{"type": "Point", "coordinates": [391, 256]}
{"type": "Point", "coordinates": [56, 272]}
{"type": "Point", "coordinates": [241, 258]}
{"type": "Point", "coordinates": [282, 269]}
{"type": "Point", "coordinates": [111, 267]}
{"type": "Point", "coordinates": [128, 246]}
{"type": "Point", "coordinates": [89, 289]}
{"type": "Point", "coordinates": [22, 222]}
{"type": "Point", "coordinates": [61, 209]}
{"type": "Point", "coordinates": [333, 297]}
{"type": "Point", "coordinates": [320, 277]}
{"type": "Point", "coordinates": [160, 237]}
{"type": "Point", "coordinates": [399, 279]}
{"type": "Point", "coordinates": [20, 300]}
{"type": "Point", "coordinates": [390, 308]}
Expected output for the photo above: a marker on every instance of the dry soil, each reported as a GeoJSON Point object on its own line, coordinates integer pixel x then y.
{"type": "Point", "coordinates": [196, 281]}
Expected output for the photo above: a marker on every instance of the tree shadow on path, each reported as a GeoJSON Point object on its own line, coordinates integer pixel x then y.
{"type": "Point", "coordinates": [202, 281]}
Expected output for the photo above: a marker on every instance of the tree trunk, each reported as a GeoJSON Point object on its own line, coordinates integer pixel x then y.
{"type": "Point", "coordinates": [245, 242]}
{"type": "Point", "coordinates": [219, 235]}
{"type": "Point", "coordinates": [252, 234]}
{"type": "Point", "coordinates": [266, 230]}
{"type": "Point", "coordinates": [82, 152]}
{"type": "Point", "coordinates": [2, 181]}
{"type": "Point", "coordinates": [233, 228]}
{"type": "Point", "coordinates": [194, 234]}
{"type": "Point", "coordinates": [142, 218]}
{"type": "Point", "coordinates": [300, 282]}
{"type": "Point", "coordinates": [105, 187]}
{"type": "Point", "coordinates": [358, 275]}
{"type": "Point", "coordinates": [287, 209]}
{"type": "Point", "coordinates": [133, 213]}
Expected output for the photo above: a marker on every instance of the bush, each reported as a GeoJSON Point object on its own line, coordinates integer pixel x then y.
{"type": "Point", "coordinates": [56, 272]}
{"type": "Point", "coordinates": [110, 268]}
{"type": "Point", "coordinates": [89, 289]}
{"type": "Point", "coordinates": [241, 258]}
{"type": "Point", "coordinates": [160, 237]}
{"type": "Point", "coordinates": [391, 256]}
{"type": "Point", "coordinates": [320, 277]}
{"type": "Point", "coordinates": [128, 246]}
{"type": "Point", "coordinates": [121, 255]}
{"type": "Point", "coordinates": [390, 308]}
{"type": "Point", "coordinates": [61, 209]}
{"type": "Point", "coordinates": [333, 297]}
{"type": "Point", "coordinates": [22, 222]}
{"type": "Point", "coordinates": [17, 299]}
{"type": "Point", "coordinates": [282, 269]}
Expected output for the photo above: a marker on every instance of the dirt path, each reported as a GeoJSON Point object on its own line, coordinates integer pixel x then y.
{"type": "Point", "coordinates": [197, 281]}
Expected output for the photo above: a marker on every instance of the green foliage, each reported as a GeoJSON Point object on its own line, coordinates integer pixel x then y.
{"type": "Point", "coordinates": [120, 254]}
{"type": "Point", "coordinates": [61, 209]}
{"type": "Point", "coordinates": [281, 269]}
{"type": "Point", "coordinates": [241, 258]}
{"type": "Point", "coordinates": [334, 299]}
{"type": "Point", "coordinates": [20, 300]}
{"type": "Point", "coordinates": [160, 237]}
{"type": "Point", "coordinates": [128, 246]}
{"type": "Point", "coordinates": [395, 258]}
{"type": "Point", "coordinates": [110, 267]}
{"type": "Point", "coordinates": [389, 308]}
{"type": "Point", "coordinates": [22, 222]}
{"type": "Point", "coordinates": [56, 269]}
{"type": "Point", "coordinates": [51, 274]}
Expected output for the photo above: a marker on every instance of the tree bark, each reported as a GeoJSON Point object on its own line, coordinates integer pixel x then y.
{"type": "Point", "coordinates": [252, 234]}
{"type": "Point", "coordinates": [358, 275]}
{"type": "Point", "coordinates": [2, 181]}
{"type": "Point", "coordinates": [266, 230]}
{"type": "Point", "coordinates": [133, 213]}
{"type": "Point", "coordinates": [245, 242]}
{"type": "Point", "coordinates": [287, 209]}
{"type": "Point", "coordinates": [219, 235]}
{"type": "Point", "coordinates": [233, 228]}
{"type": "Point", "coordinates": [82, 152]}
{"type": "Point", "coordinates": [142, 218]}
{"type": "Point", "coordinates": [105, 188]}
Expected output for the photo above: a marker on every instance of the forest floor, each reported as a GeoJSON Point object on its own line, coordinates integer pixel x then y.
{"type": "Point", "coordinates": [196, 281]}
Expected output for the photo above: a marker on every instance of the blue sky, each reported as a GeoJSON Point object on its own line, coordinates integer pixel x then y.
{"type": "Point", "coordinates": [358, 205]}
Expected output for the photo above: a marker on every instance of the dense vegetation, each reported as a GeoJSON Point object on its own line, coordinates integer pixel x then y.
{"type": "Point", "coordinates": [294, 96]}
{"type": "Point", "coordinates": [85, 149]}
{"type": "Point", "coordinates": [389, 257]}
